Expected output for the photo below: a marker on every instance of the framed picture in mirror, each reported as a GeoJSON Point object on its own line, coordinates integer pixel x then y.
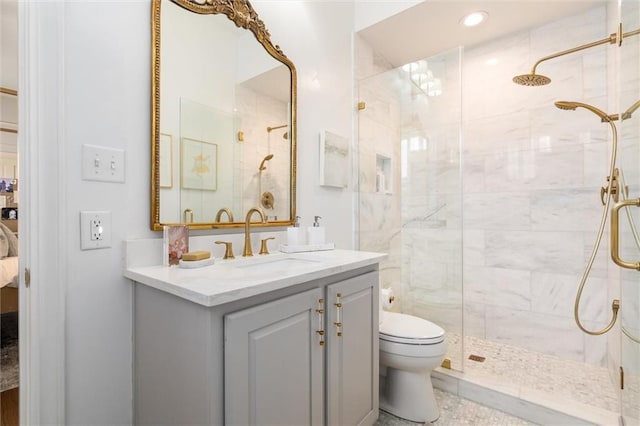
{"type": "Point", "coordinates": [199, 165]}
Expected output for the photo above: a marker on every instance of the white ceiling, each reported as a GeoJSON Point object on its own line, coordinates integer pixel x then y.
{"type": "Point", "coordinates": [433, 26]}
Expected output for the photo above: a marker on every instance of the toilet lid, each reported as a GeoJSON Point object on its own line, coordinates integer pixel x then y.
{"type": "Point", "coordinates": [402, 328]}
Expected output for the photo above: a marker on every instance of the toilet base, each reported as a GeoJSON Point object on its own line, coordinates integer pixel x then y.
{"type": "Point", "coordinates": [409, 395]}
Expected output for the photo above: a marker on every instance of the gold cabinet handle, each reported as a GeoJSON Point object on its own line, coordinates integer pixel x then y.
{"type": "Point", "coordinates": [615, 237]}
{"type": "Point", "coordinates": [338, 322]}
{"type": "Point", "coordinates": [320, 312]}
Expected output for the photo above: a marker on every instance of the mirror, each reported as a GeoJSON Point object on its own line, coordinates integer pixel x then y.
{"type": "Point", "coordinates": [223, 117]}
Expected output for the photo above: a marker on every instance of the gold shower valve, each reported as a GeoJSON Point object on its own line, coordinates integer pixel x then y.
{"type": "Point", "coordinates": [615, 188]}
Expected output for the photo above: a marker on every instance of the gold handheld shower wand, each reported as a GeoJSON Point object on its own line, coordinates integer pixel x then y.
{"type": "Point", "coordinates": [264, 160]}
{"type": "Point", "coordinates": [615, 305]}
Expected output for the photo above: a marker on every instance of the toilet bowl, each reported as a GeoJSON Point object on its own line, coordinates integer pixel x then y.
{"type": "Point", "coordinates": [410, 348]}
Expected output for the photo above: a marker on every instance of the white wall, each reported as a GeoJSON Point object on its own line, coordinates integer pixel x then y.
{"type": "Point", "coordinates": [316, 36]}
{"type": "Point", "coordinates": [107, 93]}
{"type": "Point", "coordinates": [105, 54]}
{"type": "Point", "coordinates": [531, 180]}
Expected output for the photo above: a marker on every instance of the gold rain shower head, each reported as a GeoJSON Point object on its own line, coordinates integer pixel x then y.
{"type": "Point", "coordinates": [531, 79]}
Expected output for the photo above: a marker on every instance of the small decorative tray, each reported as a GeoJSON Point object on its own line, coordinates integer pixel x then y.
{"type": "Point", "coordinates": [284, 248]}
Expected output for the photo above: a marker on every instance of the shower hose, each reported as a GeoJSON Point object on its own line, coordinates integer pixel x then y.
{"type": "Point", "coordinates": [615, 306]}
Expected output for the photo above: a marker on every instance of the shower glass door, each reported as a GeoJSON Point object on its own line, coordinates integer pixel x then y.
{"type": "Point", "coordinates": [410, 188]}
{"type": "Point", "coordinates": [629, 159]}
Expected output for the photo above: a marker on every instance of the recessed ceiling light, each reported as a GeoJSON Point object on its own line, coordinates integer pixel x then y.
{"type": "Point", "coordinates": [475, 18]}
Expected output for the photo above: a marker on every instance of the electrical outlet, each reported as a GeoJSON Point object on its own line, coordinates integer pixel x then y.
{"type": "Point", "coordinates": [95, 229]}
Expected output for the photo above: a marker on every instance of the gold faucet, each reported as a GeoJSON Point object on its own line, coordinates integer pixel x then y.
{"type": "Point", "coordinates": [247, 232]}
{"type": "Point", "coordinates": [226, 210]}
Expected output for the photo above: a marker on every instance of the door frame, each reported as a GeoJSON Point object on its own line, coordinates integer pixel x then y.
{"type": "Point", "coordinates": [43, 234]}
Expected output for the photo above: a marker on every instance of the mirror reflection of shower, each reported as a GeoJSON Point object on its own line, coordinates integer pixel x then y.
{"type": "Point", "coordinates": [285, 135]}
{"type": "Point", "coordinates": [264, 160]}
{"type": "Point", "coordinates": [265, 199]}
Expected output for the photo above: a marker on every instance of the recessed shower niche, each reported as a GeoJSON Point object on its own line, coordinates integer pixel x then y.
{"type": "Point", "coordinates": [383, 174]}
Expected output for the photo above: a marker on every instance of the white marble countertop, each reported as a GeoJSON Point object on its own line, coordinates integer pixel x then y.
{"type": "Point", "coordinates": [234, 279]}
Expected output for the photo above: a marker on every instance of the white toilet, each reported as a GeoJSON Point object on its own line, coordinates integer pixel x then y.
{"type": "Point", "coordinates": [410, 348]}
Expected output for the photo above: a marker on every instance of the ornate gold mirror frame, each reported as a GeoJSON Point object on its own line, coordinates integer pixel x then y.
{"type": "Point", "coordinates": [244, 16]}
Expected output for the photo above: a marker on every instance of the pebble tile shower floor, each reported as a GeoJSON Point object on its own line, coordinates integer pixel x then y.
{"type": "Point", "coordinates": [573, 380]}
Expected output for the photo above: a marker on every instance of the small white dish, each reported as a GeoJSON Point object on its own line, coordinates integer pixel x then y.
{"type": "Point", "coordinates": [190, 264]}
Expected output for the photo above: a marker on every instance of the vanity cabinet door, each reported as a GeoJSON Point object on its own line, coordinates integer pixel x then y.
{"type": "Point", "coordinates": [352, 351]}
{"type": "Point", "coordinates": [274, 363]}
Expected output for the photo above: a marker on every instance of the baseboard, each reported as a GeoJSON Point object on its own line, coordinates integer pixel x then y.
{"type": "Point", "coordinates": [528, 404]}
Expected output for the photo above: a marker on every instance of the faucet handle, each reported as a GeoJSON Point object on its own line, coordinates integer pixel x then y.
{"type": "Point", "coordinates": [263, 245]}
{"type": "Point", "coordinates": [228, 252]}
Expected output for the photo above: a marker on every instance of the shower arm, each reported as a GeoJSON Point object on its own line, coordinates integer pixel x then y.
{"type": "Point", "coordinates": [269, 129]}
{"type": "Point", "coordinates": [613, 38]}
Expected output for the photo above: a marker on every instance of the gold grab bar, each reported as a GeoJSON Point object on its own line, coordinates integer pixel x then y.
{"type": "Point", "coordinates": [615, 237]}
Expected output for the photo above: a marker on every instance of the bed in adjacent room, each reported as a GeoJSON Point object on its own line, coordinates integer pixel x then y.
{"type": "Point", "coordinates": [9, 278]}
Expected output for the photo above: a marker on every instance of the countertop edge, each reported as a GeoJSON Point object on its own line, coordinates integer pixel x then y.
{"type": "Point", "coordinates": [144, 275]}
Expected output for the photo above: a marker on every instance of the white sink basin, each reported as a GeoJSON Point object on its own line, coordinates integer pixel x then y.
{"type": "Point", "coordinates": [275, 263]}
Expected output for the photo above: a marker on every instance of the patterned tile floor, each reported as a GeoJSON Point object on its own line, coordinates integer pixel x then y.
{"type": "Point", "coordinates": [577, 381]}
{"type": "Point", "coordinates": [456, 411]}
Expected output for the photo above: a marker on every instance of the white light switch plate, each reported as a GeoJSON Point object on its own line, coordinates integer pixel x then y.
{"type": "Point", "coordinates": [95, 229]}
{"type": "Point", "coordinates": [102, 164]}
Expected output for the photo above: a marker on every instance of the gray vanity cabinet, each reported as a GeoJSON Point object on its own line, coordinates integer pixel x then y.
{"type": "Point", "coordinates": [352, 351]}
{"type": "Point", "coordinates": [259, 360]}
{"type": "Point", "coordinates": [275, 366]}
{"type": "Point", "coordinates": [274, 362]}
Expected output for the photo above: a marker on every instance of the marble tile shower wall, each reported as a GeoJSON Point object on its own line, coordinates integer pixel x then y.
{"type": "Point", "coordinates": [258, 112]}
{"type": "Point", "coordinates": [378, 133]}
{"type": "Point", "coordinates": [431, 201]}
{"type": "Point", "coordinates": [531, 177]}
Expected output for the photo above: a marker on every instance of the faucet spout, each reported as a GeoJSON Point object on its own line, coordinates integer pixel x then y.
{"type": "Point", "coordinates": [247, 229]}
{"type": "Point", "coordinates": [226, 210]}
